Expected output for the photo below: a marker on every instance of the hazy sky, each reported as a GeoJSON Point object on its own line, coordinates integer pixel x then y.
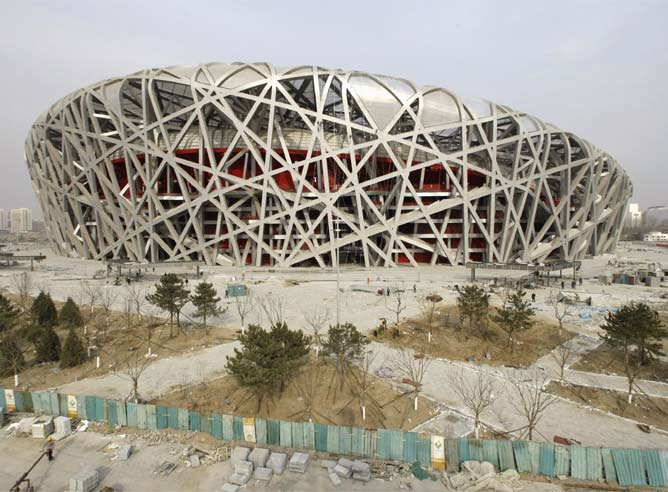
{"type": "Point", "coordinates": [596, 68]}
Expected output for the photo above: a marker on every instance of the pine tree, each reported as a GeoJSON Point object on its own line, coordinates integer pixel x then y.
{"type": "Point", "coordinates": [345, 343]}
{"type": "Point", "coordinates": [473, 304]}
{"type": "Point", "coordinates": [636, 330]}
{"type": "Point", "coordinates": [8, 314]}
{"type": "Point", "coordinates": [206, 302]}
{"type": "Point", "coordinates": [44, 310]}
{"type": "Point", "coordinates": [515, 315]}
{"type": "Point", "coordinates": [170, 295]}
{"type": "Point", "coordinates": [48, 345]}
{"type": "Point", "coordinates": [11, 356]}
{"type": "Point", "coordinates": [70, 315]}
{"type": "Point", "coordinates": [74, 352]}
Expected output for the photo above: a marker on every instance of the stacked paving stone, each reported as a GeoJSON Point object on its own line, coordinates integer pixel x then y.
{"type": "Point", "coordinates": [84, 481]}
{"type": "Point", "coordinates": [277, 462]}
{"type": "Point", "coordinates": [298, 463]}
{"type": "Point", "coordinates": [243, 471]}
{"type": "Point", "coordinates": [62, 427]}
{"type": "Point", "coordinates": [259, 457]}
{"type": "Point", "coordinates": [239, 454]}
{"type": "Point", "coordinates": [42, 427]}
{"type": "Point", "coordinates": [344, 468]}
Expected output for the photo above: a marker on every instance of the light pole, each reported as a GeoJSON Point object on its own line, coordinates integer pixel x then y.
{"type": "Point", "coordinates": [337, 232]}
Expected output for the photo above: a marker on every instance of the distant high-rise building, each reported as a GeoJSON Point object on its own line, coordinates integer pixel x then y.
{"type": "Point", "coordinates": [633, 216]}
{"type": "Point", "coordinates": [4, 220]}
{"type": "Point", "coordinates": [21, 220]}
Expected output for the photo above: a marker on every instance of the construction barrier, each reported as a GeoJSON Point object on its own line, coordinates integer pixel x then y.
{"type": "Point", "coordinates": [626, 466]}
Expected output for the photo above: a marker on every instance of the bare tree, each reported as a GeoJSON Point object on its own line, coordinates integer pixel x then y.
{"type": "Point", "coordinates": [316, 318]}
{"type": "Point", "coordinates": [531, 400]}
{"type": "Point", "coordinates": [244, 306]}
{"type": "Point", "coordinates": [428, 310]}
{"type": "Point", "coordinates": [360, 380]}
{"type": "Point", "coordinates": [561, 309]}
{"type": "Point", "coordinates": [273, 307]}
{"type": "Point", "coordinates": [561, 356]}
{"type": "Point", "coordinates": [132, 369]}
{"type": "Point", "coordinates": [476, 392]}
{"type": "Point", "coordinates": [412, 366]}
{"type": "Point", "coordinates": [137, 296]}
{"type": "Point", "coordinates": [24, 286]}
{"type": "Point", "coordinates": [89, 293]}
{"type": "Point", "coordinates": [396, 300]}
{"type": "Point", "coordinates": [107, 298]}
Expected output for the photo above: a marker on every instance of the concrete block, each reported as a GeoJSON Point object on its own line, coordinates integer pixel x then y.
{"type": "Point", "coordinates": [277, 462]}
{"type": "Point", "coordinates": [259, 457]}
{"type": "Point", "coordinates": [263, 473]}
{"type": "Point", "coordinates": [362, 476]}
{"type": "Point", "coordinates": [298, 463]}
{"type": "Point", "coordinates": [25, 425]}
{"type": "Point", "coordinates": [41, 429]}
{"type": "Point", "coordinates": [329, 464]}
{"type": "Point", "coordinates": [229, 487]}
{"type": "Point", "coordinates": [238, 454]}
{"type": "Point", "coordinates": [84, 481]}
{"type": "Point", "coordinates": [346, 463]}
{"type": "Point", "coordinates": [239, 479]}
{"type": "Point", "coordinates": [124, 452]}
{"type": "Point", "coordinates": [334, 478]}
{"type": "Point", "coordinates": [360, 466]}
{"type": "Point", "coordinates": [194, 460]}
{"type": "Point", "coordinates": [62, 426]}
{"type": "Point", "coordinates": [244, 467]}
{"type": "Point", "coordinates": [342, 471]}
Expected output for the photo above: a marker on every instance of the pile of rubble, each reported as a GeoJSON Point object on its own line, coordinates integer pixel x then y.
{"type": "Point", "coordinates": [480, 476]}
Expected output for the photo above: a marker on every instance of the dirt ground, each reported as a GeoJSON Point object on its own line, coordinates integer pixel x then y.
{"type": "Point", "coordinates": [313, 384]}
{"type": "Point", "coordinates": [607, 360]}
{"type": "Point", "coordinates": [115, 336]}
{"type": "Point", "coordinates": [453, 342]}
{"type": "Point", "coordinates": [651, 411]}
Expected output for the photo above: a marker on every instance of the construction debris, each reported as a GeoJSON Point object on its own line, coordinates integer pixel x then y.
{"type": "Point", "coordinates": [165, 468]}
{"type": "Point", "coordinates": [477, 476]}
{"type": "Point", "coordinates": [124, 452]}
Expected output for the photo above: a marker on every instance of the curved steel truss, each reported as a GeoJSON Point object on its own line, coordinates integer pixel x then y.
{"type": "Point", "coordinates": [253, 164]}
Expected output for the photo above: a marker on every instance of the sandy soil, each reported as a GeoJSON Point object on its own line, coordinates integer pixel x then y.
{"type": "Point", "coordinates": [607, 360]}
{"type": "Point", "coordinates": [315, 385]}
{"type": "Point", "coordinates": [650, 411]}
{"type": "Point", "coordinates": [451, 341]}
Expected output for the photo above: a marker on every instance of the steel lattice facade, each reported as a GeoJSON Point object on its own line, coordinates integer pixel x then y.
{"type": "Point", "coordinates": [250, 164]}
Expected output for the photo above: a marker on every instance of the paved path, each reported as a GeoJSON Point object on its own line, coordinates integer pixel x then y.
{"type": "Point", "coordinates": [564, 418]}
{"type": "Point", "coordinates": [160, 377]}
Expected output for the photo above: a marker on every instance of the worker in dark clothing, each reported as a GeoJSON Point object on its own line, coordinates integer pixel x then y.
{"type": "Point", "coordinates": [48, 447]}
{"type": "Point", "coordinates": [533, 297]}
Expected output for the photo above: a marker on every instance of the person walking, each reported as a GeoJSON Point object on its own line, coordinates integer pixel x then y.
{"type": "Point", "coordinates": [48, 447]}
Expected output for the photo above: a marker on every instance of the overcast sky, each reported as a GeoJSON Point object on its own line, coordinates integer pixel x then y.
{"type": "Point", "coordinates": [596, 68]}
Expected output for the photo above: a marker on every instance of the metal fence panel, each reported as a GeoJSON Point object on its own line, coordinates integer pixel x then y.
{"type": "Point", "coordinates": [345, 440]}
{"type": "Point", "coordinates": [261, 431]}
{"type": "Point", "coordinates": [228, 427]}
{"type": "Point", "coordinates": [383, 444]}
{"type": "Point", "coordinates": [132, 414]}
{"type": "Point", "coordinates": [546, 459]}
{"type": "Point", "coordinates": [333, 439]}
{"type": "Point", "coordinates": [321, 437]}
{"type": "Point", "coordinates": [410, 447]}
{"type": "Point", "coordinates": [121, 413]}
{"type": "Point", "coordinates": [173, 417]}
{"type": "Point", "coordinates": [357, 441]}
{"type": "Point", "coordinates": [451, 454]}
{"type": "Point", "coordinates": [490, 452]}
{"type": "Point", "coordinates": [55, 404]}
{"type": "Point", "coordinates": [3, 401]}
{"type": "Point", "coordinates": [396, 444]}
{"type": "Point", "coordinates": [273, 432]}
{"type": "Point", "coordinates": [112, 412]}
{"type": "Point", "coordinates": [161, 417]}
{"type": "Point", "coordinates": [194, 421]}
{"type": "Point", "coordinates": [205, 423]}
{"type": "Point", "coordinates": [142, 420]}
{"type": "Point", "coordinates": [578, 462]}
{"type": "Point", "coordinates": [249, 429]}
{"type": "Point", "coordinates": [184, 419]}
{"type": "Point", "coordinates": [463, 450]}
{"type": "Point", "coordinates": [522, 456]}
{"type": "Point", "coordinates": [655, 475]}
{"type": "Point", "coordinates": [286, 433]}
{"type": "Point", "coordinates": [238, 428]}
{"type": "Point", "coordinates": [608, 465]}
{"type": "Point", "coordinates": [309, 435]}
{"type": "Point", "coordinates": [594, 469]}
{"type": "Point", "coordinates": [476, 450]}
{"type": "Point", "coordinates": [151, 417]}
{"type": "Point", "coordinates": [562, 461]}
{"type": "Point", "coordinates": [506, 455]}
{"type": "Point", "coordinates": [423, 450]}
{"type": "Point", "coordinates": [63, 405]}
{"type": "Point", "coordinates": [81, 407]}
{"type": "Point", "coordinates": [217, 426]}
{"type": "Point", "coordinates": [663, 459]}
{"type": "Point", "coordinates": [297, 435]}
{"type": "Point", "coordinates": [39, 404]}
{"type": "Point", "coordinates": [90, 408]}
{"type": "Point", "coordinates": [629, 466]}
{"type": "Point", "coordinates": [534, 456]}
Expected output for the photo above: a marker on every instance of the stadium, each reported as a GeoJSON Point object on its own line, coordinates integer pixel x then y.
{"type": "Point", "coordinates": [251, 164]}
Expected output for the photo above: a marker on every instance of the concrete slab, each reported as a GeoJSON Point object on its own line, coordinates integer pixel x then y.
{"type": "Point", "coordinates": [277, 462]}
{"type": "Point", "coordinates": [259, 457]}
{"type": "Point", "coordinates": [264, 474]}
